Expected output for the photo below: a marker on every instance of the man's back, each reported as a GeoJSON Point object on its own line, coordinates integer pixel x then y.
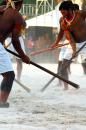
{"type": "Point", "coordinates": [10, 20]}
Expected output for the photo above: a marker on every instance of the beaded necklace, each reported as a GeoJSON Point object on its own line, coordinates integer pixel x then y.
{"type": "Point", "coordinates": [71, 20]}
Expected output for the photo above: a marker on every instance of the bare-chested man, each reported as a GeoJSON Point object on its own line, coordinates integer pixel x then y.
{"type": "Point", "coordinates": [73, 26]}
{"type": "Point", "coordinates": [12, 22]}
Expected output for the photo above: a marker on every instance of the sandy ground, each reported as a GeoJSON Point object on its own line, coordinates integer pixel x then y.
{"type": "Point", "coordinates": [53, 109]}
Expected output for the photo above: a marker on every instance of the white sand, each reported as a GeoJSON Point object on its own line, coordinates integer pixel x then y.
{"type": "Point", "coordinates": [53, 109]}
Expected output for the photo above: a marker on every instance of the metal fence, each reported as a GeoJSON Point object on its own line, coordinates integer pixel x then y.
{"type": "Point", "coordinates": [33, 10]}
{"type": "Point", "coordinates": [28, 9]}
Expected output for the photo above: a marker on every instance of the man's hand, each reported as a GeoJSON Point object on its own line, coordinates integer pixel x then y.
{"type": "Point", "coordinates": [26, 59]}
{"type": "Point", "coordinates": [54, 45]}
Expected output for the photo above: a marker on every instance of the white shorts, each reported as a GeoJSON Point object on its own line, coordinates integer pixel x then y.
{"type": "Point", "coordinates": [5, 62]}
{"type": "Point", "coordinates": [67, 53]}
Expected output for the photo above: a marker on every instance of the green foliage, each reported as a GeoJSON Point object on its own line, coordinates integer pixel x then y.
{"type": "Point", "coordinates": [1, 1]}
{"type": "Point", "coordinates": [32, 1]}
{"type": "Point", "coordinates": [29, 1]}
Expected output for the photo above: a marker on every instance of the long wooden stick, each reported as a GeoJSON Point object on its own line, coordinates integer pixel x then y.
{"type": "Point", "coordinates": [55, 75]}
{"type": "Point", "coordinates": [47, 49]}
{"type": "Point", "coordinates": [47, 84]}
{"type": "Point", "coordinates": [26, 88]}
{"type": "Point", "coordinates": [48, 71]}
{"type": "Point", "coordinates": [76, 54]}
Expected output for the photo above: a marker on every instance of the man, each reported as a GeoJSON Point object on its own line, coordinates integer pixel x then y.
{"type": "Point", "coordinates": [73, 26]}
{"type": "Point", "coordinates": [12, 22]}
{"type": "Point", "coordinates": [64, 55]}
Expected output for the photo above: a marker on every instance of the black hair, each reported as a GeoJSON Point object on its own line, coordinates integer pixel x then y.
{"type": "Point", "coordinates": [76, 6]}
{"type": "Point", "coordinates": [66, 5]}
{"type": "Point", "coordinates": [18, 2]}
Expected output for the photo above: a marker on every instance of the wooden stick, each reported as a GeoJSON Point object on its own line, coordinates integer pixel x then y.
{"type": "Point", "coordinates": [47, 84]}
{"type": "Point", "coordinates": [48, 71]}
{"type": "Point", "coordinates": [55, 75]}
{"type": "Point", "coordinates": [47, 49]}
{"type": "Point", "coordinates": [22, 85]}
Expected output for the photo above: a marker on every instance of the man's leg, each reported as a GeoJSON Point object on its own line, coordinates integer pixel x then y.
{"type": "Point", "coordinates": [64, 72]}
{"type": "Point", "coordinates": [19, 68]}
{"type": "Point", "coordinates": [59, 71]}
{"type": "Point", "coordinates": [84, 66]}
{"type": "Point", "coordinates": [6, 86]}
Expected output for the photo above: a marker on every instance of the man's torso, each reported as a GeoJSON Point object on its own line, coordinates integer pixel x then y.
{"type": "Point", "coordinates": [77, 27]}
{"type": "Point", "coordinates": [7, 22]}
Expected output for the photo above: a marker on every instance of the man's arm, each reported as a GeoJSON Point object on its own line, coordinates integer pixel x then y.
{"type": "Point", "coordinates": [19, 24]}
{"type": "Point", "coordinates": [17, 46]}
{"type": "Point", "coordinates": [70, 38]}
{"type": "Point", "coordinates": [60, 34]}
{"type": "Point", "coordinates": [59, 38]}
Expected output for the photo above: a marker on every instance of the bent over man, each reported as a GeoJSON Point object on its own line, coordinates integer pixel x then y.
{"type": "Point", "coordinates": [11, 22]}
{"type": "Point", "coordinates": [73, 26]}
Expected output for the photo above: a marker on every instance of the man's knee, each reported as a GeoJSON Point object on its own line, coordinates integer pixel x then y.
{"type": "Point", "coordinates": [7, 81]}
{"type": "Point", "coordinates": [10, 76]}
